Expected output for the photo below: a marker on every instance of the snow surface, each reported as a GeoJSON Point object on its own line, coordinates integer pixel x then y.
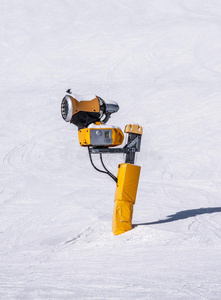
{"type": "Point", "coordinates": [160, 60]}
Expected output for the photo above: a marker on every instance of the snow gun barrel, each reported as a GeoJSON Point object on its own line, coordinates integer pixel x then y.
{"type": "Point", "coordinates": [85, 110]}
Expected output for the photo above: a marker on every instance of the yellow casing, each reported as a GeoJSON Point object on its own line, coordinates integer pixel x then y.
{"type": "Point", "coordinates": [133, 128]}
{"type": "Point", "coordinates": [84, 136]}
{"type": "Point", "coordinates": [125, 196]}
{"type": "Point", "coordinates": [88, 106]}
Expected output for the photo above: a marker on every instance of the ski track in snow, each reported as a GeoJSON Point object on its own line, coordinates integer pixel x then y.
{"type": "Point", "coordinates": [161, 63]}
{"type": "Point", "coordinates": [20, 154]}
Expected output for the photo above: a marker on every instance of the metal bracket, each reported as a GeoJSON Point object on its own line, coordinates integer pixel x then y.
{"type": "Point", "coordinates": [133, 146]}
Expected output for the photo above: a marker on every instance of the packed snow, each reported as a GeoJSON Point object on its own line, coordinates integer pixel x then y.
{"type": "Point", "coordinates": [160, 61]}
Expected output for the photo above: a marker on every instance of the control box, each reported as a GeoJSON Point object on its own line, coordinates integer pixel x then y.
{"type": "Point", "coordinates": [106, 137]}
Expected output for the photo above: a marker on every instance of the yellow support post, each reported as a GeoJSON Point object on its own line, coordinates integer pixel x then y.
{"type": "Point", "coordinates": [125, 197]}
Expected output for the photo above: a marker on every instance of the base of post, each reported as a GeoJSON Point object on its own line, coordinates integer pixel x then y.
{"type": "Point", "coordinates": [122, 217]}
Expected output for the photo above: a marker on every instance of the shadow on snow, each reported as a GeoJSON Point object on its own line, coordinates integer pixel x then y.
{"type": "Point", "coordinates": [185, 214]}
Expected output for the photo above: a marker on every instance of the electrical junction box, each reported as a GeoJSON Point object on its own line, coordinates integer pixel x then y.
{"type": "Point", "coordinates": [100, 135]}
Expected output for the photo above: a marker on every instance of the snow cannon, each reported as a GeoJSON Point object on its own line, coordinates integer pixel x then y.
{"type": "Point", "coordinates": [90, 114]}
{"type": "Point", "coordinates": [85, 110]}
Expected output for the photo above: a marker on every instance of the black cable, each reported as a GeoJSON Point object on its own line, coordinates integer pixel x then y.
{"type": "Point", "coordinates": [105, 172]}
{"type": "Point", "coordinates": [93, 163]}
{"type": "Point", "coordinates": [108, 172]}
